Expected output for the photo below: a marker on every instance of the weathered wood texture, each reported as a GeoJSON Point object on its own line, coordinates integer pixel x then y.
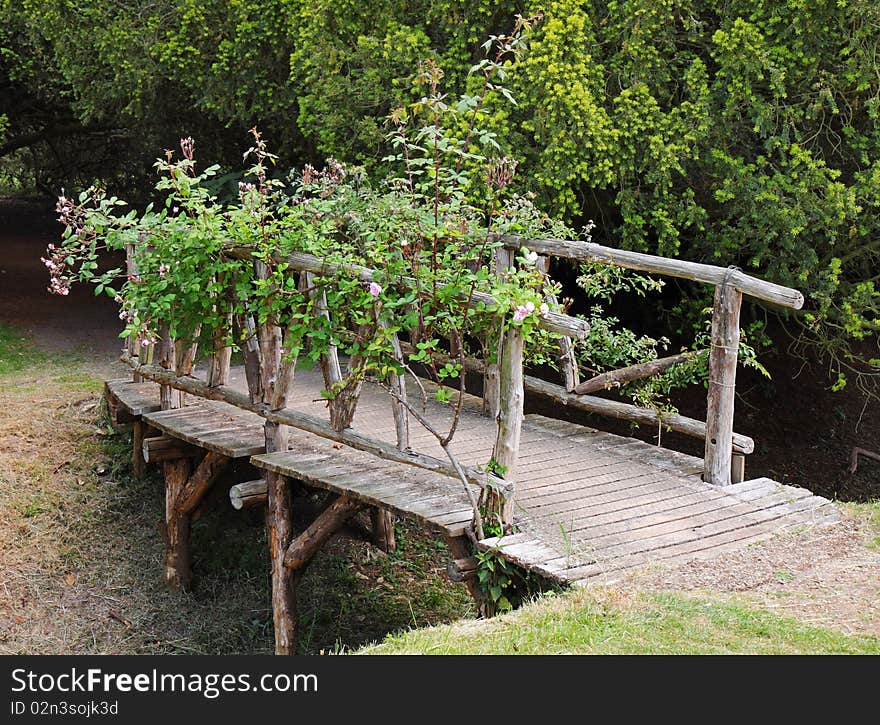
{"type": "Point", "coordinates": [612, 408]}
{"type": "Point", "coordinates": [249, 494]}
{"type": "Point", "coordinates": [166, 448]}
{"type": "Point", "coordinates": [621, 376]}
{"type": "Point", "coordinates": [311, 424]}
{"type": "Point", "coordinates": [178, 556]}
{"type": "Point", "coordinates": [511, 399]}
{"type": "Point", "coordinates": [133, 341]}
{"type": "Point", "coordinates": [722, 384]}
{"type": "Point", "coordinates": [327, 523]}
{"type": "Point", "coordinates": [568, 364]}
{"type": "Point", "coordinates": [709, 274]}
{"type": "Point", "coordinates": [218, 370]}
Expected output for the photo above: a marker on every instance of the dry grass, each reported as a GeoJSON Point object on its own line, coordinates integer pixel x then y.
{"type": "Point", "coordinates": [81, 564]}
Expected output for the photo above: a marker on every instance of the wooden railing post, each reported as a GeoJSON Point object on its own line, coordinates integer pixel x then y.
{"type": "Point", "coordinates": [511, 397]}
{"type": "Point", "coordinates": [568, 365]}
{"type": "Point", "coordinates": [218, 373]}
{"type": "Point", "coordinates": [722, 384]}
{"type": "Point", "coordinates": [133, 340]}
{"type": "Point", "coordinates": [169, 398]}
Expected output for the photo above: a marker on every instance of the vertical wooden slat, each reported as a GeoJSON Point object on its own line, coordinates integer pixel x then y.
{"type": "Point", "coordinates": [169, 398]}
{"type": "Point", "coordinates": [138, 465]}
{"type": "Point", "coordinates": [504, 258]}
{"type": "Point", "coordinates": [274, 378]}
{"type": "Point", "coordinates": [218, 372]}
{"type": "Point", "coordinates": [134, 343]}
{"type": "Point", "coordinates": [251, 350]}
{"type": "Point", "coordinates": [722, 385]}
{"type": "Point", "coordinates": [567, 361]}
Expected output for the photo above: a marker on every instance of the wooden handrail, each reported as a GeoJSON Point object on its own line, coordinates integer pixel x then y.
{"type": "Point", "coordinates": [707, 273]}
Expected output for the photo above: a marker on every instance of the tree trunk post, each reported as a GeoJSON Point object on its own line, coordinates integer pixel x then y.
{"type": "Point", "coordinates": [499, 508]}
{"type": "Point", "coordinates": [722, 385]}
{"type": "Point", "coordinates": [138, 465]}
{"type": "Point", "coordinates": [169, 398]}
{"type": "Point", "coordinates": [218, 373]}
{"type": "Point", "coordinates": [275, 379]}
{"type": "Point", "coordinates": [178, 556]}
{"type": "Point", "coordinates": [133, 340]}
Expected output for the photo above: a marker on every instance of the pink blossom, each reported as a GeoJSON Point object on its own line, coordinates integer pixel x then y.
{"type": "Point", "coordinates": [545, 309]}
{"type": "Point", "coordinates": [530, 306]}
{"type": "Point", "coordinates": [375, 289]}
{"type": "Point", "coordinates": [520, 313]}
{"type": "Point", "coordinates": [145, 343]}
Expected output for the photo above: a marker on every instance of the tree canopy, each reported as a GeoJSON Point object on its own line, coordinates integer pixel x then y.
{"type": "Point", "coordinates": [741, 132]}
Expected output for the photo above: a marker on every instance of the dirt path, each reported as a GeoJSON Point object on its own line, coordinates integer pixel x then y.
{"type": "Point", "coordinates": [79, 323]}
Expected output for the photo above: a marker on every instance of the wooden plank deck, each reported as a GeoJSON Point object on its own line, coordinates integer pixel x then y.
{"type": "Point", "coordinates": [589, 504]}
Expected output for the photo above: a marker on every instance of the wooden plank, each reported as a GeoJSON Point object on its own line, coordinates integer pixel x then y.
{"type": "Point", "coordinates": [708, 546]}
{"type": "Point", "coordinates": [676, 533]}
{"type": "Point", "coordinates": [666, 499]}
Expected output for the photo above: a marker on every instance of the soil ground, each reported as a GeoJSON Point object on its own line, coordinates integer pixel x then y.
{"type": "Point", "coordinates": [63, 590]}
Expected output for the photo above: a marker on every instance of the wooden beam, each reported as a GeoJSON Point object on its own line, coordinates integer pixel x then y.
{"type": "Point", "coordinates": [169, 397]}
{"type": "Point", "coordinates": [707, 273]}
{"type": "Point", "coordinates": [210, 468]}
{"type": "Point", "coordinates": [284, 581]}
{"type": "Point", "coordinates": [722, 384]}
{"type": "Point", "coordinates": [621, 376]}
{"type": "Point", "coordinates": [307, 544]}
{"type": "Point", "coordinates": [249, 494]}
{"type": "Point", "coordinates": [462, 548]}
{"type": "Point", "coordinates": [737, 467]}
{"type": "Point", "coordinates": [218, 372]}
{"type": "Point", "coordinates": [166, 448]}
{"type": "Point", "coordinates": [133, 340]}
{"type": "Point", "coordinates": [312, 424]}
{"type": "Point", "coordinates": [251, 352]}
{"type": "Point", "coordinates": [568, 364]}
{"type": "Point", "coordinates": [462, 570]}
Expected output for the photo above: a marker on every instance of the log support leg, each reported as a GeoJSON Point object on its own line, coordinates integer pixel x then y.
{"type": "Point", "coordinates": [138, 464]}
{"type": "Point", "coordinates": [183, 493]}
{"type": "Point", "coordinates": [178, 557]}
{"type": "Point", "coordinates": [284, 579]}
{"type": "Point", "coordinates": [383, 529]}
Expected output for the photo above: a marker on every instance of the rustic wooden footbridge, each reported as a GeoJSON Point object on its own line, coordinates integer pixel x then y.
{"type": "Point", "coordinates": [579, 505]}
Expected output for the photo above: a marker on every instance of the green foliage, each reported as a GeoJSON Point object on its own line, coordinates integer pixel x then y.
{"type": "Point", "coordinates": [734, 132]}
{"type": "Point", "coordinates": [504, 585]}
{"type": "Point", "coordinates": [201, 260]}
